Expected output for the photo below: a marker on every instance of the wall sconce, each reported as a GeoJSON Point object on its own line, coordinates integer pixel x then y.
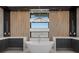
{"type": "Point", "coordinates": [5, 33]}
{"type": "Point", "coordinates": [74, 33]}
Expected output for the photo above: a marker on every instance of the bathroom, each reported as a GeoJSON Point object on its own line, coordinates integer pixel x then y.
{"type": "Point", "coordinates": [54, 30]}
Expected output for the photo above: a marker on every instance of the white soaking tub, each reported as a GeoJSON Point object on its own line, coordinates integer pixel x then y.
{"type": "Point", "coordinates": [39, 47]}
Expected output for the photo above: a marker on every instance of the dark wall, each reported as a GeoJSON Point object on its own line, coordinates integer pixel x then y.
{"type": "Point", "coordinates": [11, 42]}
{"type": "Point", "coordinates": [72, 22]}
{"type": "Point", "coordinates": [3, 45]}
{"type": "Point", "coordinates": [63, 43]}
{"type": "Point", "coordinates": [75, 45]}
{"type": "Point", "coordinates": [15, 42]}
{"type": "Point", "coordinates": [68, 43]}
{"type": "Point", "coordinates": [6, 22]}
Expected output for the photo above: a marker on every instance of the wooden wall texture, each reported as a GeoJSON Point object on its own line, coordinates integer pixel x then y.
{"type": "Point", "coordinates": [19, 23]}
{"type": "Point", "coordinates": [1, 22]}
{"type": "Point", "coordinates": [59, 23]}
{"type": "Point", "coordinates": [77, 22]}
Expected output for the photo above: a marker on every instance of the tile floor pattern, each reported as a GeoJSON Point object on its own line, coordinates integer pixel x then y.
{"type": "Point", "coordinates": [21, 51]}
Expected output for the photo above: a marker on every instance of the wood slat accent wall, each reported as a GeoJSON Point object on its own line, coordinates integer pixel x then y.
{"type": "Point", "coordinates": [1, 21]}
{"type": "Point", "coordinates": [19, 23]}
{"type": "Point", "coordinates": [77, 22]}
{"type": "Point", "coordinates": [59, 23]}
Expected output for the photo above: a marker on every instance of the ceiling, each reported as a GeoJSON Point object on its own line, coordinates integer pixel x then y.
{"type": "Point", "coordinates": [13, 8]}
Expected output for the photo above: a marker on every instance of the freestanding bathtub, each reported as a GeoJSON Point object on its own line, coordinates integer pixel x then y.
{"type": "Point", "coordinates": [39, 47]}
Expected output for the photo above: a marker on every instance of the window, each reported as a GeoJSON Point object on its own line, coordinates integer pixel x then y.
{"type": "Point", "coordinates": [39, 15]}
{"type": "Point", "coordinates": [39, 25]}
{"type": "Point", "coordinates": [39, 21]}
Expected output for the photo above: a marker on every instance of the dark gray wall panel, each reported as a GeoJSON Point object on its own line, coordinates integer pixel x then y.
{"type": "Point", "coordinates": [3, 45]}
{"type": "Point", "coordinates": [75, 45]}
{"type": "Point", "coordinates": [72, 22]}
{"type": "Point", "coordinates": [6, 22]}
{"type": "Point", "coordinates": [63, 43]}
{"type": "Point", "coordinates": [14, 42]}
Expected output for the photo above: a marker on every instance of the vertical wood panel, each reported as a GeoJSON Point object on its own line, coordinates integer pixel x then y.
{"type": "Point", "coordinates": [1, 22]}
{"type": "Point", "coordinates": [59, 23]}
{"type": "Point", "coordinates": [77, 22]}
{"type": "Point", "coordinates": [19, 23]}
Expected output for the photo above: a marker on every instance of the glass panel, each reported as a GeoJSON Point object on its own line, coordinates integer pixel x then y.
{"type": "Point", "coordinates": [39, 15]}
{"type": "Point", "coordinates": [39, 25]}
